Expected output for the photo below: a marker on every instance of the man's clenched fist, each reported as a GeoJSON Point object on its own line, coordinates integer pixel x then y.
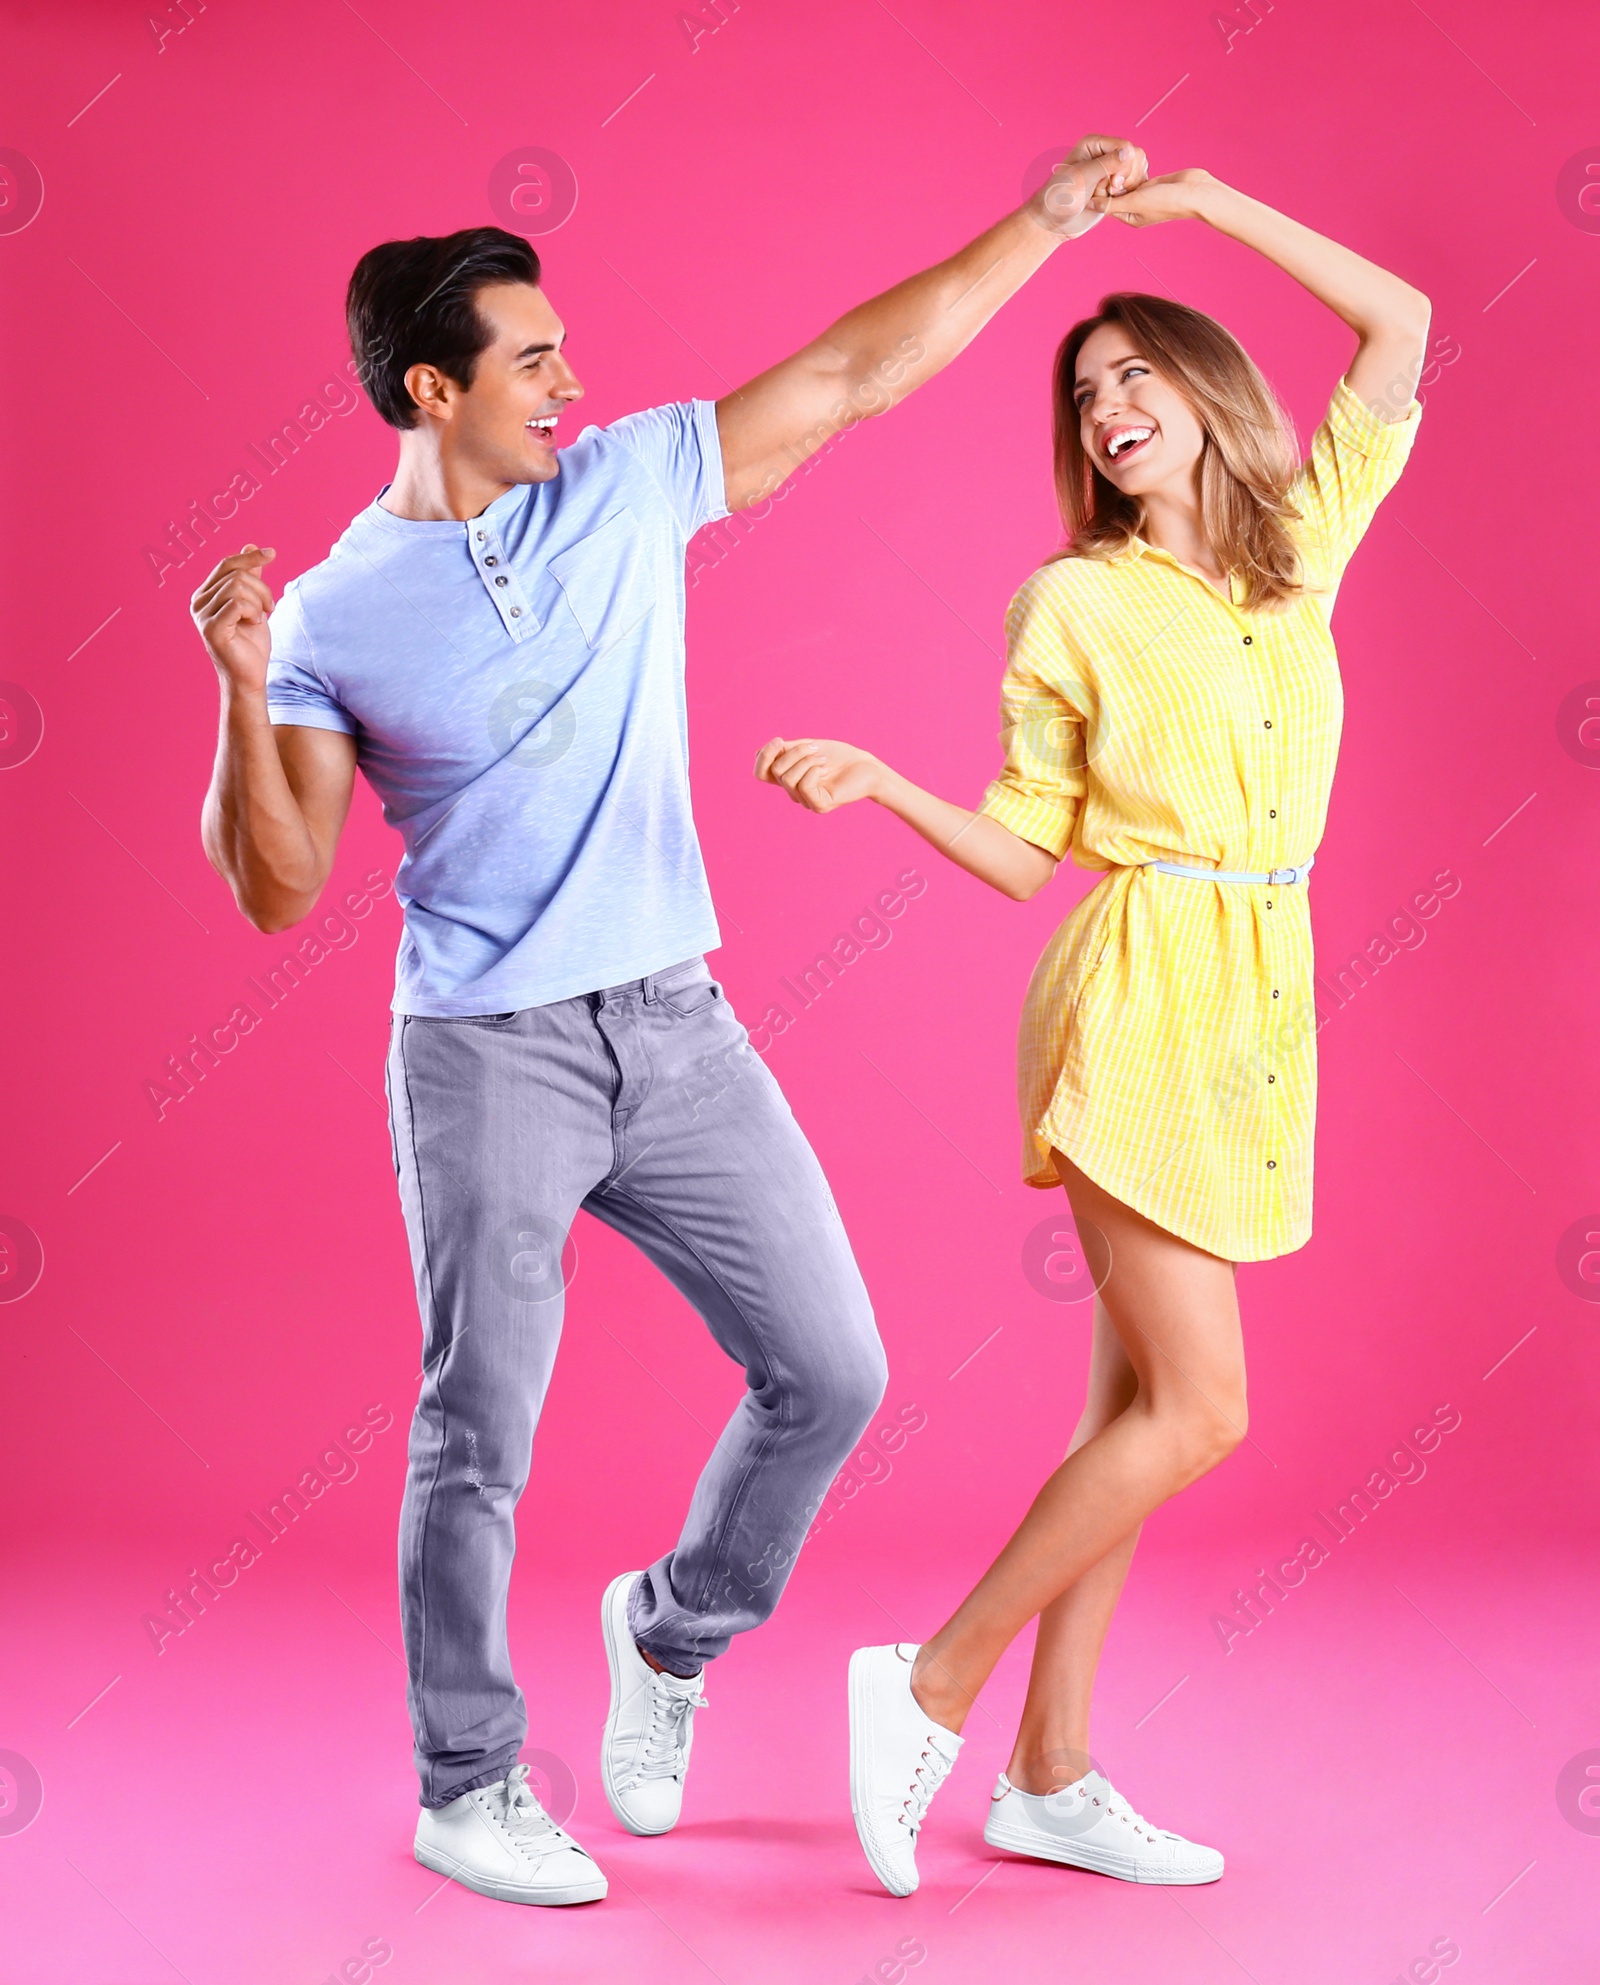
{"type": "Point", "coordinates": [231, 610]}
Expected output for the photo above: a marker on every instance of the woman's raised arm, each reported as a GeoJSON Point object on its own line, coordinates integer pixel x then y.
{"type": "Point", "coordinates": [1388, 316]}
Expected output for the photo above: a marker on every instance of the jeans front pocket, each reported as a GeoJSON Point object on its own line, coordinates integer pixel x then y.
{"type": "Point", "coordinates": [688, 990]}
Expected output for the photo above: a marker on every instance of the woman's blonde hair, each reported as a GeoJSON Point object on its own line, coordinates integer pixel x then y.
{"type": "Point", "coordinates": [1247, 462]}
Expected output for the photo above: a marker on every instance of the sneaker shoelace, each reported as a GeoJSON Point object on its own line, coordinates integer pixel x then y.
{"type": "Point", "coordinates": [1114, 1806]}
{"type": "Point", "coordinates": [528, 1826]}
{"type": "Point", "coordinates": [933, 1768]}
{"type": "Point", "coordinates": [1119, 1808]}
{"type": "Point", "coordinates": [670, 1710]}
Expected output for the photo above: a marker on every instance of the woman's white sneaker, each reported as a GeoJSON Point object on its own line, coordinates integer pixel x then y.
{"type": "Point", "coordinates": [1089, 1825]}
{"type": "Point", "coordinates": [644, 1752]}
{"type": "Point", "coordinates": [898, 1760]}
{"type": "Point", "coordinates": [500, 1841]}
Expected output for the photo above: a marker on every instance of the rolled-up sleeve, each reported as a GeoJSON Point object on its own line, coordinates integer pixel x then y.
{"type": "Point", "coordinates": [1355, 460]}
{"type": "Point", "coordinates": [1044, 727]}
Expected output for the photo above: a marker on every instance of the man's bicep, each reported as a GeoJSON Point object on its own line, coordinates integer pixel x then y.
{"type": "Point", "coordinates": [320, 766]}
{"type": "Point", "coordinates": [769, 426]}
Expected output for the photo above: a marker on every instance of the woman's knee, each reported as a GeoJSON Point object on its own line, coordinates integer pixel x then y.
{"type": "Point", "coordinates": [1208, 1430]}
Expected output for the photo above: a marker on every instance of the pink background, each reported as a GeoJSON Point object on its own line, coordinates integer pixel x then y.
{"type": "Point", "coordinates": [228, 1289]}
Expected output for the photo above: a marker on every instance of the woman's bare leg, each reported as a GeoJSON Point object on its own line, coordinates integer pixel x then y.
{"type": "Point", "coordinates": [1052, 1747]}
{"type": "Point", "coordinates": [1176, 1314]}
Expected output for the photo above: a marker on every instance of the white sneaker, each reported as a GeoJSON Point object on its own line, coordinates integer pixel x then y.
{"type": "Point", "coordinates": [1089, 1825]}
{"type": "Point", "coordinates": [898, 1760]}
{"type": "Point", "coordinates": [644, 1752]}
{"type": "Point", "coordinates": [500, 1841]}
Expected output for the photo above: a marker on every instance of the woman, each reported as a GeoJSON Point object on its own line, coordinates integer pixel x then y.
{"type": "Point", "coordinates": [1172, 709]}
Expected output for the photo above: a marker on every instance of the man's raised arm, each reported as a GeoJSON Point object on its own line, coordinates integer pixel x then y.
{"type": "Point", "coordinates": [279, 793]}
{"type": "Point", "coordinates": [885, 348]}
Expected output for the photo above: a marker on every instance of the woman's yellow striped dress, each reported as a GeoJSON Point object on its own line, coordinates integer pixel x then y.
{"type": "Point", "coordinates": [1168, 1043]}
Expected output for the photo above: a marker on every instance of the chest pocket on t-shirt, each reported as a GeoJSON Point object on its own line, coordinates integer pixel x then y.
{"type": "Point", "coordinates": [605, 579]}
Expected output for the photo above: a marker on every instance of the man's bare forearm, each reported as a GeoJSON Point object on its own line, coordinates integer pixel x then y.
{"type": "Point", "coordinates": [892, 344]}
{"type": "Point", "coordinates": [254, 832]}
{"type": "Point", "coordinates": [873, 356]}
{"type": "Point", "coordinates": [939, 311]}
{"type": "Point", "coordinates": [869, 359]}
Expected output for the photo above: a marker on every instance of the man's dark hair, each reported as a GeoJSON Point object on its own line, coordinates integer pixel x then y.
{"type": "Point", "coordinates": [415, 303]}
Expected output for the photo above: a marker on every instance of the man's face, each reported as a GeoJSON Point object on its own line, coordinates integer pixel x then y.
{"type": "Point", "coordinates": [504, 423]}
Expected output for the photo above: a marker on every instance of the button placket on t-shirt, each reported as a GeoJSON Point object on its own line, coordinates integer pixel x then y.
{"type": "Point", "coordinates": [500, 581]}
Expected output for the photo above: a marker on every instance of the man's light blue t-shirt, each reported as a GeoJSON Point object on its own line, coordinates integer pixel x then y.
{"type": "Point", "coordinates": [515, 689]}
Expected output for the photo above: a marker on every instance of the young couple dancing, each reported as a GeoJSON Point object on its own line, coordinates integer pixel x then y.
{"type": "Point", "coordinates": [497, 643]}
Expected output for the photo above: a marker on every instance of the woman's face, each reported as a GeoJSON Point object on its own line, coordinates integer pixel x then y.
{"type": "Point", "coordinates": [1137, 428]}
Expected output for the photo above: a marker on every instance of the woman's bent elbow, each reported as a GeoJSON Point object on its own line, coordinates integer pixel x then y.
{"type": "Point", "coordinates": [1028, 886]}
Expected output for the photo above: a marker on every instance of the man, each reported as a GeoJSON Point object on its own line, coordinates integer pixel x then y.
{"type": "Point", "coordinates": [497, 642]}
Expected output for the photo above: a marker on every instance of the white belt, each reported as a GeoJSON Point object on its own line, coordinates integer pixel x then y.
{"type": "Point", "coordinates": [1297, 874]}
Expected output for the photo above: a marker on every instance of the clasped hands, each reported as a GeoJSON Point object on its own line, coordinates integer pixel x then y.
{"type": "Point", "coordinates": [1104, 175]}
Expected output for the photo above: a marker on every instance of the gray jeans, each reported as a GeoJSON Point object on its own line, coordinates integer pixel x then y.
{"type": "Point", "coordinates": [646, 1105]}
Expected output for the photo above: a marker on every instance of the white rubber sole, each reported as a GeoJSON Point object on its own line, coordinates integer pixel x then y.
{"type": "Point", "coordinates": [1098, 1861]}
{"type": "Point", "coordinates": [617, 1638]}
{"type": "Point", "coordinates": [556, 1898]}
{"type": "Point", "coordinates": [860, 1734]}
